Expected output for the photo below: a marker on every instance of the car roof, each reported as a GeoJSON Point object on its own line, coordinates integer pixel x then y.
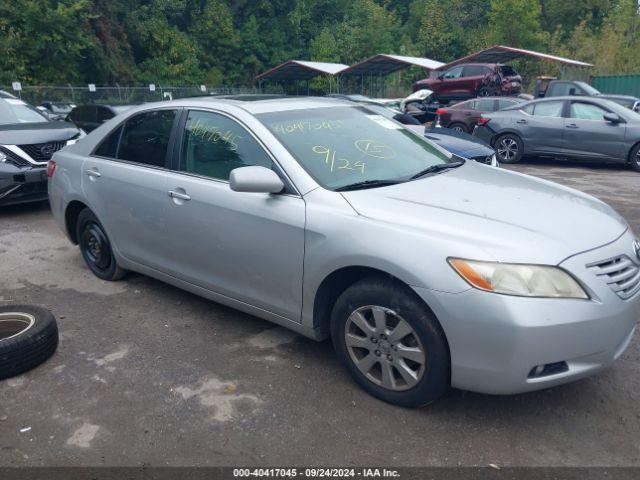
{"type": "Point", "coordinates": [256, 105]}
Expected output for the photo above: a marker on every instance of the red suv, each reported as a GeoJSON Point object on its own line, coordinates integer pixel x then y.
{"type": "Point", "coordinates": [472, 80]}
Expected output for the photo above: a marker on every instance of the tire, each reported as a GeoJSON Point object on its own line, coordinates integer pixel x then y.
{"type": "Point", "coordinates": [424, 351]}
{"type": "Point", "coordinates": [28, 337]}
{"type": "Point", "coordinates": [95, 248]}
{"type": "Point", "coordinates": [509, 148]}
{"type": "Point", "coordinates": [485, 92]}
{"type": "Point", "coordinates": [634, 158]}
{"type": "Point", "coordinates": [458, 127]}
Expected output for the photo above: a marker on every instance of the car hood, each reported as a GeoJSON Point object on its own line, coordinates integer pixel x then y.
{"type": "Point", "coordinates": [29, 133]}
{"type": "Point", "coordinates": [494, 214]}
{"type": "Point", "coordinates": [461, 144]}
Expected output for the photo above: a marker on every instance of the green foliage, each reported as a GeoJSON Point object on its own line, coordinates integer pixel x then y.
{"type": "Point", "coordinates": [228, 42]}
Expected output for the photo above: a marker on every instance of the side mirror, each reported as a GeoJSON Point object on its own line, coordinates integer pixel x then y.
{"type": "Point", "coordinates": [255, 180]}
{"type": "Point", "coordinates": [612, 117]}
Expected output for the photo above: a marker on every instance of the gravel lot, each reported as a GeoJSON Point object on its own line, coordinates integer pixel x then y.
{"type": "Point", "coordinates": [147, 374]}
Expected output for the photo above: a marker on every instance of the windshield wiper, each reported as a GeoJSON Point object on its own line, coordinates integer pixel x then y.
{"type": "Point", "coordinates": [437, 168]}
{"type": "Point", "coordinates": [366, 184]}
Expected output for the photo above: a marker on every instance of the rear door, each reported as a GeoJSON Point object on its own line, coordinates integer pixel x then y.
{"type": "Point", "coordinates": [247, 246]}
{"type": "Point", "coordinates": [587, 134]}
{"type": "Point", "coordinates": [125, 182]}
{"type": "Point", "coordinates": [541, 126]}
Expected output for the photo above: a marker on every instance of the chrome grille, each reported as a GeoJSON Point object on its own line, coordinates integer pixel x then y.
{"type": "Point", "coordinates": [621, 274]}
{"type": "Point", "coordinates": [42, 152]}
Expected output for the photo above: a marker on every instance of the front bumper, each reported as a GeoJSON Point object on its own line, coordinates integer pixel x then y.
{"type": "Point", "coordinates": [22, 184]}
{"type": "Point", "coordinates": [497, 341]}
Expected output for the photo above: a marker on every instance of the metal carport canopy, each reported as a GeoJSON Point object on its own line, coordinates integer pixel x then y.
{"type": "Point", "coordinates": [383, 64]}
{"type": "Point", "coordinates": [301, 70]}
{"type": "Point", "coordinates": [502, 54]}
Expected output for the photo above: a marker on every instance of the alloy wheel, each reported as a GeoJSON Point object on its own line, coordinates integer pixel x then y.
{"type": "Point", "coordinates": [384, 347]}
{"type": "Point", "coordinates": [507, 149]}
{"type": "Point", "coordinates": [458, 128]}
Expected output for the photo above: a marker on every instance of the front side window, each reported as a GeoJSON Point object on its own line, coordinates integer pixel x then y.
{"type": "Point", "coordinates": [586, 111]}
{"type": "Point", "coordinates": [340, 146]}
{"type": "Point", "coordinates": [213, 145]}
{"type": "Point", "coordinates": [145, 138]}
{"type": "Point", "coordinates": [453, 73]}
{"type": "Point", "coordinates": [548, 109]}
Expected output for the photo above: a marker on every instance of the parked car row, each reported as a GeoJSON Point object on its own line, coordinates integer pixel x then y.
{"type": "Point", "coordinates": [587, 128]}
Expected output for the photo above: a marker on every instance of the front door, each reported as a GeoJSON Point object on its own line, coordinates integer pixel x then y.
{"type": "Point", "coordinates": [247, 246]}
{"type": "Point", "coordinates": [588, 134]}
{"type": "Point", "coordinates": [125, 183]}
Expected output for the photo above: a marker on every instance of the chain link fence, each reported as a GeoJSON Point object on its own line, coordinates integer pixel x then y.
{"type": "Point", "coordinates": [117, 94]}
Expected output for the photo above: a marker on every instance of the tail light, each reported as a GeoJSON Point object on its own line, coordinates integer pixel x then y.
{"type": "Point", "coordinates": [51, 168]}
{"type": "Point", "coordinates": [441, 111]}
{"type": "Point", "coordinates": [483, 120]}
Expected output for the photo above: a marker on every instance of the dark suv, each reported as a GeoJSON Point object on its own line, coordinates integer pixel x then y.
{"type": "Point", "coordinates": [90, 117]}
{"type": "Point", "coordinates": [471, 80]}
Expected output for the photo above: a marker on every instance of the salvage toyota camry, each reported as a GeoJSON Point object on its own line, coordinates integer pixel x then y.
{"type": "Point", "coordinates": [427, 271]}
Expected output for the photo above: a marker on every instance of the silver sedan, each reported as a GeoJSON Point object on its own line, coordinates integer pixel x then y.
{"type": "Point", "coordinates": [427, 271]}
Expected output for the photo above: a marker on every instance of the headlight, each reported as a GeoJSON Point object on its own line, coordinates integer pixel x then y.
{"type": "Point", "coordinates": [494, 161]}
{"type": "Point", "coordinates": [517, 279]}
{"type": "Point", "coordinates": [3, 157]}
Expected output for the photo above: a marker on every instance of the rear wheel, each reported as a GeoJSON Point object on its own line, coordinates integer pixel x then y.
{"type": "Point", "coordinates": [391, 343]}
{"type": "Point", "coordinates": [634, 158]}
{"type": "Point", "coordinates": [509, 148]}
{"type": "Point", "coordinates": [458, 127]}
{"type": "Point", "coordinates": [96, 248]}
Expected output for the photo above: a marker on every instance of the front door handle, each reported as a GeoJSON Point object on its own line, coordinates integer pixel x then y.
{"type": "Point", "coordinates": [179, 195]}
{"type": "Point", "coordinates": [93, 173]}
{"type": "Point", "coordinates": [572, 125]}
{"type": "Point", "coordinates": [521, 121]}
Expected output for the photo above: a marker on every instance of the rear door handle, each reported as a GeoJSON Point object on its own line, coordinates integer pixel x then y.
{"type": "Point", "coordinates": [93, 173]}
{"type": "Point", "coordinates": [179, 195]}
{"type": "Point", "coordinates": [572, 125]}
{"type": "Point", "coordinates": [521, 121]}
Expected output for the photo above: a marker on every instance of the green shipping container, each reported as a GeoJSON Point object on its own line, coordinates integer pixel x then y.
{"type": "Point", "coordinates": [620, 84]}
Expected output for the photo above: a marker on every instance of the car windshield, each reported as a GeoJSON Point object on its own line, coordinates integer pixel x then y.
{"type": "Point", "coordinates": [625, 113]}
{"type": "Point", "coordinates": [588, 89]}
{"type": "Point", "coordinates": [342, 146]}
{"type": "Point", "coordinates": [13, 110]}
{"type": "Point", "coordinates": [508, 71]}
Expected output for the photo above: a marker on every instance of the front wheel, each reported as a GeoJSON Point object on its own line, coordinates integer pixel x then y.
{"type": "Point", "coordinates": [634, 158]}
{"type": "Point", "coordinates": [96, 248]}
{"type": "Point", "coordinates": [391, 343]}
{"type": "Point", "coordinates": [509, 148]}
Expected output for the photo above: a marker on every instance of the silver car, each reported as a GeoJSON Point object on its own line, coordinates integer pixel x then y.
{"type": "Point", "coordinates": [427, 271]}
{"type": "Point", "coordinates": [587, 128]}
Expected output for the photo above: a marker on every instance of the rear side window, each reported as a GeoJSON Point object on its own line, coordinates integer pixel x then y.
{"type": "Point", "coordinates": [213, 145]}
{"type": "Point", "coordinates": [474, 70]}
{"type": "Point", "coordinates": [548, 109]}
{"type": "Point", "coordinates": [109, 146]}
{"type": "Point", "coordinates": [502, 103]}
{"type": "Point", "coordinates": [104, 114]}
{"type": "Point", "coordinates": [485, 105]}
{"type": "Point", "coordinates": [145, 137]}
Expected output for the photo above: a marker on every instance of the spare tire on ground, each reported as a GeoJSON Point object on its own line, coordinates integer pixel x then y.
{"type": "Point", "coordinates": [28, 336]}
